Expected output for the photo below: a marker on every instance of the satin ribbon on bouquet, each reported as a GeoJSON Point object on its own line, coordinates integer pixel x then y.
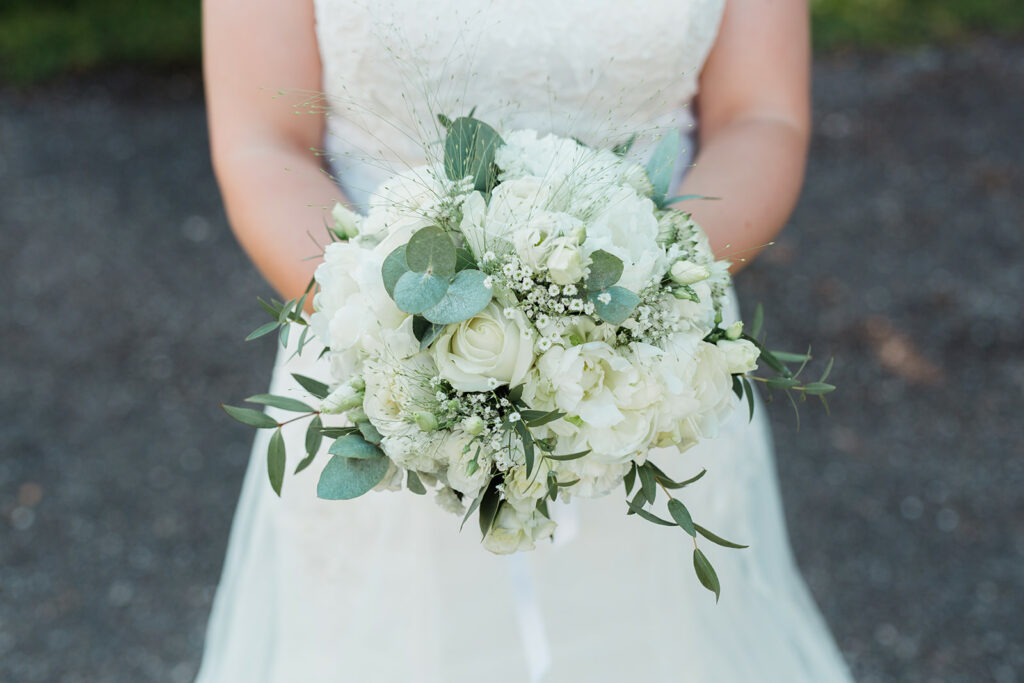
{"type": "Point", "coordinates": [532, 629]}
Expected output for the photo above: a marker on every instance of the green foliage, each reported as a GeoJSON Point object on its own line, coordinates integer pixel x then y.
{"type": "Point", "coordinates": [469, 149]}
{"type": "Point", "coordinates": [346, 478]}
{"type": "Point", "coordinates": [466, 296]}
{"type": "Point", "coordinates": [662, 165]}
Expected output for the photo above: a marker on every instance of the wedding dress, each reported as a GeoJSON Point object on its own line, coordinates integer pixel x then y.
{"type": "Point", "coordinates": [384, 588]}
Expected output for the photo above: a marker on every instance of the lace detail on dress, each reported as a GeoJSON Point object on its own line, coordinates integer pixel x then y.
{"type": "Point", "coordinates": [599, 70]}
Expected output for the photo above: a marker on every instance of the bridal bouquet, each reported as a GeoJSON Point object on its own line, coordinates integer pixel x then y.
{"type": "Point", "coordinates": [519, 323]}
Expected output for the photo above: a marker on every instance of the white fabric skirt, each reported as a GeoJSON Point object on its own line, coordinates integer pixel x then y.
{"type": "Point", "coordinates": [385, 589]}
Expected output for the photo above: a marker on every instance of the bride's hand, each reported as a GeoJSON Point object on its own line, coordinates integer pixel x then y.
{"type": "Point", "coordinates": [274, 187]}
{"type": "Point", "coordinates": [754, 107]}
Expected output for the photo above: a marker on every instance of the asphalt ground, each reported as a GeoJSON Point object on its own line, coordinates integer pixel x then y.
{"type": "Point", "coordinates": [125, 299]}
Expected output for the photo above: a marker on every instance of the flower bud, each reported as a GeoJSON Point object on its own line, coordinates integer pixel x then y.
{"type": "Point", "coordinates": [473, 425]}
{"type": "Point", "coordinates": [346, 222]}
{"type": "Point", "coordinates": [685, 292]}
{"type": "Point", "coordinates": [733, 331]}
{"type": "Point", "coordinates": [357, 415]}
{"type": "Point", "coordinates": [357, 383]}
{"type": "Point", "coordinates": [425, 420]}
{"type": "Point", "coordinates": [342, 399]}
{"type": "Point", "coordinates": [565, 263]}
{"type": "Point", "coordinates": [688, 273]}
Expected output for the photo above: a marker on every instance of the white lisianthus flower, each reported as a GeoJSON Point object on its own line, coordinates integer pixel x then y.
{"type": "Point", "coordinates": [626, 227]}
{"type": "Point", "coordinates": [514, 531]}
{"type": "Point", "coordinates": [488, 346]}
{"type": "Point", "coordinates": [566, 261]}
{"type": "Point", "coordinates": [740, 355]}
{"type": "Point", "coordinates": [536, 236]}
{"type": "Point", "coordinates": [457, 461]}
{"type": "Point", "coordinates": [352, 306]}
{"type": "Point", "coordinates": [392, 480]}
{"type": "Point", "coordinates": [414, 450]}
{"type": "Point", "coordinates": [615, 398]}
{"type": "Point", "coordinates": [522, 491]}
{"type": "Point", "coordinates": [393, 390]}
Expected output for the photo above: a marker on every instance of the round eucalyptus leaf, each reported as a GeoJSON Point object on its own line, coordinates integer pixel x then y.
{"type": "Point", "coordinates": [618, 306]}
{"type": "Point", "coordinates": [466, 296]}
{"type": "Point", "coordinates": [605, 270]}
{"type": "Point", "coordinates": [394, 267]}
{"type": "Point", "coordinates": [416, 292]}
{"type": "Point", "coordinates": [353, 446]}
{"type": "Point", "coordinates": [346, 478]}
{"type": "Point", "coordinates": [431, 250]}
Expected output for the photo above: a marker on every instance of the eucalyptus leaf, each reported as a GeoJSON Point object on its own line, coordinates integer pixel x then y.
{"type": "Point", "coordinates": [466, 296]}
{"type": "Point", "coordinates": [263, 329]}
{"type": "Point", "coordinates": [622, 149]}
{"type": "Point", "coordinates": [650, 488]}
{"type": "Point", "coordinates": [782, 382]}
{"type": "Point", "coordinates": [469, 150]}
{"type": "Point", "coordinates": [369, 432]}
{"type": "Point", "coordinates": [527, 439]}
{"type": "Point", "coordinates": [662, 164]}
{"type": "Point", "coordinates": [316, 388]}
{"type": "Point", "coordinates": [684, 198]}
{"type": "Point", "coordinates": [750, 397]}
{"type": "Point", "coordinates": [345, 478]}
{"type": "Point", "coordinates": [416, 292]}
{"type": "Point", "coordinates": [828, 370]}
{"type": "Point", "coordinates": [253, 418]}
{"type": "Point", "coordinates": [681, 515]}
{"type": "Point", "coordinates": [539, 418]}
{"type": "Point", "coordinates": [282, 402]}
{"type": "Point", "coordinates": [425, 331]}
{"type": "Point", "coordinates": [569, 456]}
{"type": "Point", "coordinates": [413, 483]}
{"type": "Point", "coordinates": [394, 267]}
{"type": "Point", "coordinates": [819, 388]}
{"type": "Point", "coordinates": [605, 270]}
{"type": "Point", "coordinates": [474, 505]}
{"type": "Point", "coordinates": [620, 305]}
{"type": "Point", "coordinates": [787, 357]}
{"type": "Point", "coordinates": [755, 327]}
{"type": "Point", "coordinates": [717, 539]}
{"type": "Point", "coordinates": [489, 504]}
{"type": "Point", "coordinates": [431, 250]}
{"type": "Point", "coordinates": [356, 447]}
{"type": "Point", "coordinates": [276, 459]}
{"type": "Point", "coordinates": [464, 259]}
{"type": "Point", "coordinates": [706, 573]}
{"type": "Point", "coordinates": [630, 479]}
{"type": "Point", "coordinates": [314, 437]}
{"type": "Point", "coordinates": [337, 432]}
{"type": "Point", "coordinates": [650, 517]}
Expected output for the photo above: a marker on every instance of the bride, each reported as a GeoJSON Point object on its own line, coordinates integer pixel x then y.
{"type": "Point", "coordinates": [384, 588]}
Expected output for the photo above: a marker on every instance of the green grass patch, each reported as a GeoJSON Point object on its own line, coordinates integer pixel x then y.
{"type": "Point", "coordinates": [40, 39]}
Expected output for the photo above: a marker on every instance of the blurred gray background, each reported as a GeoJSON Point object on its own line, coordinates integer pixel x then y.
{"type": "Point", "coordinates": [126, 300]}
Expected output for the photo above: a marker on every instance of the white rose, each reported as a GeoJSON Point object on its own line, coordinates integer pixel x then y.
{"type": "Point", "coordinates": [486, 346]}
{"type": "Point", "coordinates": [565, 263]}
{"type": "Point", "coordinates": [740, 355]}
{"type": "Point", "coordinates": [514, 531]}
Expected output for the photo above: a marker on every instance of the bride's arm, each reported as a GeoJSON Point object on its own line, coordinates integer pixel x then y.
{"type": "Point", "coordinates": [754, 107]}
{"type": "Point", "coordinates": [274, 187]}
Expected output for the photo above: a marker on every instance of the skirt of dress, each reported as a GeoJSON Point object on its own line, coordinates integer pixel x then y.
{"type": "Point", "coordinates": [385, 589]}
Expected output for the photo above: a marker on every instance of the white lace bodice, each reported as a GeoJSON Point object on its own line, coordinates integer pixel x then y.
{"type": "Point", "coordinates": [599, 70]}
